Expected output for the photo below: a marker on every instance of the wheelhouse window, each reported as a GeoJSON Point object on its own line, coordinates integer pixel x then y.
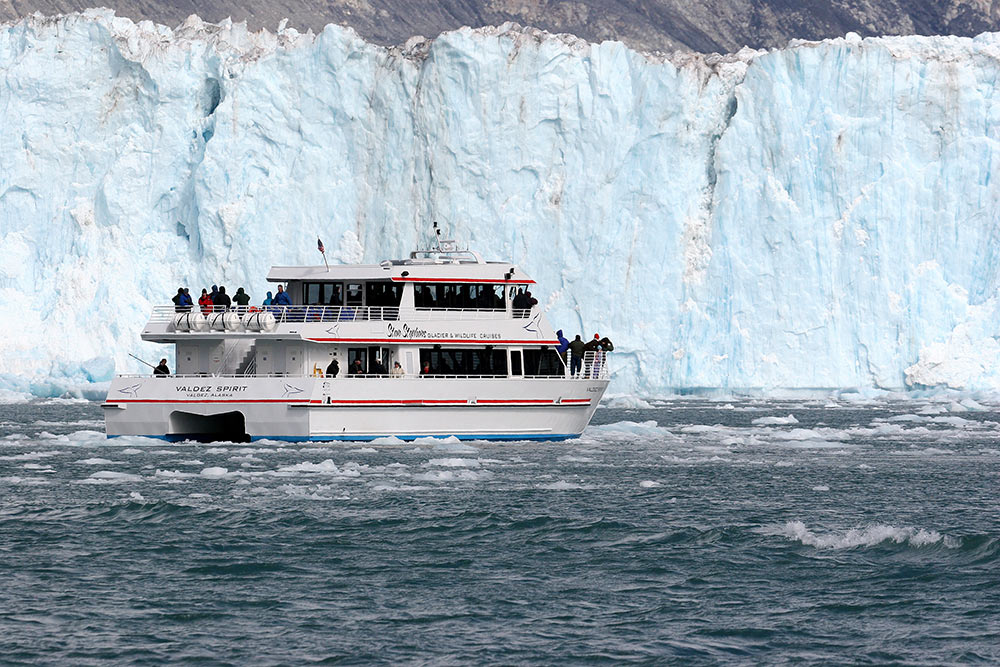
{"type": "Point", "coordinates": [323, 294]}
{"type": "Point", "coordinates": [464, 361]}
{"type": "Point", "coordinates": [545, 361]}
{"type": "Point", "coordinates": [466, 296]}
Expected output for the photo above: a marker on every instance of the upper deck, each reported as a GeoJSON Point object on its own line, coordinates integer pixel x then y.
{"type": "Point", "coordinates": [439, 295]}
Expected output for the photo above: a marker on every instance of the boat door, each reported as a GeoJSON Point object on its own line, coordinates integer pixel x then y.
{"type": "Point", "coordinates": [515, 363]}
{"type": "Point", "coordinates": [376, 355]}
{"type": "Point", "coordinates": [293, 360]}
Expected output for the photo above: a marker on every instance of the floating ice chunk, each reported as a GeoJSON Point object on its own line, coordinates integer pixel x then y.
{"type": "Point", "coordinates": [649, 484]}
{"type": "Point", "coordinates": [563, 485]}
{"type": "Point", "coordinates": [454, 463]}
{"type": "Point", "coordinates": [214, 472]}
{"type": "Point", "coordinates": [30, 456]}
{"type": "Point", "coordinates": [453, 475]}
{"type": "Point", "coordinates": [821, 487]}
{"type": "Point", "coordinates": [775, 421]}
{"type": "Point", "coordinates": [99, 462]}
{"type": "Point", "coordinates": [111, 477]}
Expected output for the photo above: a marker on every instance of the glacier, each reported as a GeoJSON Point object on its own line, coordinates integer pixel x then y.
{"type": "Point", "coordinates": [818, 216]}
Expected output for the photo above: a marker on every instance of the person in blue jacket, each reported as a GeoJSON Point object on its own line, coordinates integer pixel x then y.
{"type": "Point", "coordinates": [562, 346]}
{"type": "Point", "coordinates": [268, 300]}
{"type": "Point", "coordinates": [282, 298]}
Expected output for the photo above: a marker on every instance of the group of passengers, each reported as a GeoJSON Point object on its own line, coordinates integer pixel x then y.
{"type": "Point", "coordinates": [578, 350]}
{"type": "Point", "coordinates": [217, 300]}
{"type": "Point", "coordinates": [523, 301]}
{"type": "Point", "coordinates": [357, 369]}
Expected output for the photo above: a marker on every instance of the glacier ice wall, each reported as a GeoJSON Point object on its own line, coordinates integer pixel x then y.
{"type": "Point", "coordinates": [818, 216]}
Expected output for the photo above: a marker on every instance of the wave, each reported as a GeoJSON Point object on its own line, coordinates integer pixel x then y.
{"type": "Point", "coordinates": [869, 536]}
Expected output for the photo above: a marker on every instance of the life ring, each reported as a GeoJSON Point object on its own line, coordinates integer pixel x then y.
{"type": "Point", "coordinates": [254, 309]}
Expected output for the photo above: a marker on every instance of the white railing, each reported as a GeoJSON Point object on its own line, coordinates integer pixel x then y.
{"type": "Point", "coordinates": [299, 314]}
{"type": "Point", "coordinates": [593, 366]}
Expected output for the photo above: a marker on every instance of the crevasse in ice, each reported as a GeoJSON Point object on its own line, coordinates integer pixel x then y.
{"type": "Point", "coordinates": [818, 216]}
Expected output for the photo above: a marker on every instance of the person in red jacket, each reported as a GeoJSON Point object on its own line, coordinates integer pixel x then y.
{"type": "Point", "coordinates": [205, 301]}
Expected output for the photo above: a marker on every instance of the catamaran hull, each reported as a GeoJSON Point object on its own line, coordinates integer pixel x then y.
{"type": "Point", "coordinates": [349, 408]}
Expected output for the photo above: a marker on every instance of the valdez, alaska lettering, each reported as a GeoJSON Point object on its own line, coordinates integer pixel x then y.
{"type": "Point", "coordinates": [209, 391]}
{"type": "Point", "coordinates": [406, 331]}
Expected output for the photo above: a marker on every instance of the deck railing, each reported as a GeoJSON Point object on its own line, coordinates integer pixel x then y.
{"type": "Point", "coordinates": [298, 314]}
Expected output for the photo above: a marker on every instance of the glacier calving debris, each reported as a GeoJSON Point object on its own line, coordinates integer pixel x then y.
{"type": "Point", "coordinates": [818, 216]}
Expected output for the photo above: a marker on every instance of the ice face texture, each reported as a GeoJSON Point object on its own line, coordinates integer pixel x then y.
{"type": "Point", "coordinates": [819, 216]}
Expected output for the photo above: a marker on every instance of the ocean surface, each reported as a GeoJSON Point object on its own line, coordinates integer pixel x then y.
{"type": "Point", "coordinates": [690, 530]}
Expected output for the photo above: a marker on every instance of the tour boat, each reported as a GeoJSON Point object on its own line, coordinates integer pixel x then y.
{"type": "Point", "coordinates": [471, 365]}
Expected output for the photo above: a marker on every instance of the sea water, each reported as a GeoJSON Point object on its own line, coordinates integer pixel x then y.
{"type": "Point", "coordinates": [687, 530]}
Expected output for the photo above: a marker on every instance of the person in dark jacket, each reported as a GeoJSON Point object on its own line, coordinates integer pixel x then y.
{"type": "Point", "coordinates": [355, 368]}
{"type": "Point", "coordinates": [188, 301]}
{"type": "Point", "coordinates": [576, 349]}
{"type": "Point", "coordinates": [222, 299]}
{"type": "Point", "coordinates": [214, 294]}
{"type": "Point", "coordinates": [593, 345]}
{"type": "Point", "coordinates": [333, 368]}
{"type": "Point", "coordinates": [529, 301]}
{"type": "Point", "coordinates": [179, 300]}
{"type": "Point", "coordinates": [519, 303]}
{"type": "Point", "coordinates": [241, 298]}
{"type": "Point", "coordinates": [162, 369]}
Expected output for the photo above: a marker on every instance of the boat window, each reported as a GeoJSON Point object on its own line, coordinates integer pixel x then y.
{"type": "Point", "coordinates": [545, 361]}
{"type": "Point", "coordinates": [465, 361]}
{"type": "Point", "coordinates": [356, 353]}
{"type": "Point", "coordinates": [383, 294]}
{"type": "Point", "coordinates": [323, 294]}
{"type": "Point", "coordinates": [467, 296]}
{"type": "Point", "coordinates": [354, 294]}
{"type": "Point", "coordinates": [515, 362]}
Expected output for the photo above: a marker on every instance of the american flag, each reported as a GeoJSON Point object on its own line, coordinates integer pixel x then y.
{"type": "Point", "coordinates": [319, 244]}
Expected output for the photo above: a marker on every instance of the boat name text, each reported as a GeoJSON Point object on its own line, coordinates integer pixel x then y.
{"type": "Point", "coordinates": [406, 331]}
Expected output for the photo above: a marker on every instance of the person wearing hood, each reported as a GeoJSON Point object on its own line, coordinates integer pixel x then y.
{"type": "Point", "coordinates": [562, 346]}
{"type": "Point", "coordinates": [241, 298]}
{"type": "Point", "coordinates": [214, 294]}
{"type": "Point", "coordinates": [162, 369]}
{"type": "Point", "coordinates": [222, 299]}
{"type": "Point", "coordinates": [268, 300]}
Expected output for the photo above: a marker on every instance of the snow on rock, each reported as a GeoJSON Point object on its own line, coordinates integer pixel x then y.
{"type": "Point", "coordinates": [818, 216]}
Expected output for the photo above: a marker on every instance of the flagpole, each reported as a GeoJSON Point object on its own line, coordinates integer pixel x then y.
{"type": "Point", "coordinates": [322, 250]}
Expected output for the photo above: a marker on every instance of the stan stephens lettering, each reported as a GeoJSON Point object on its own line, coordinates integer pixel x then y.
{"type": "Point", "coordinates": [406, 331]}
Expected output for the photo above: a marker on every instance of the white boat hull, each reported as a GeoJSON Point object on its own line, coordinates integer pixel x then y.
{"type": "Point", "coordinates": [351, 408]}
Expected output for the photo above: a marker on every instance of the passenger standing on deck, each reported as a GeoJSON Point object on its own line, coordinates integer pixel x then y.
{"type": "Point", "coordinates": [355, 368]}
{"type": "Point", "coordinates": [268, 300]}
{"type": "Point", "coordinates": [187, 301]}
{"type": "Point", "coordinates": [242, 299]}
{"type": "Point", "coordinates": [282, 298]}
{"type": "Point", "coordinates": [593, 345]}
{"type": "Point", "coordinates": [333, 368]}
{"type": "Point", "coordinates": [426, 370]}
{"type": "Point", "coordinates": [562, 346]}
{"type": "Point", "coordinates": [576, 349]}
{"type": "Point", "coordinates": [529, 301]}
{"type": "Point", "coordinates": [162, 369]}
{"type": "Point", "coordinates": [222, 299]}
{"type": "Point", "coordinates": [205, 301]}
{"type": "Point", "coordinates": [397, 370]}
{"type": "Point", "coordinates": [179, 300]}
{"type": "Point", "coordinates": [214, 294]}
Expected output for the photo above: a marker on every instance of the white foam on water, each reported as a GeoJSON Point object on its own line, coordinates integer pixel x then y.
{"type": "Point", "coordinates": [110, 477]}
{"type": "Point", "coordinates": [920, 451]}
{"type": "Point", "coordinates": [860, 537]}
{"type": "Point", "coordinates": [135, 495]}
{"type": "Point", "coordinates": [326, 467]}
{"type": "Point", "coordinates": [568, 458]}
{"type": "Point", "coordinates": [801, 434]}
{"type": "Point", "coordinates": [625, 402]}
{"type": "Point", "coordinates": [775, 421]}
{"type": "Point", "coordinates": [385, 486]}
{"type": "Point", "coordinates": [364, 450]}
{"type": "Point", "coordinates": [649, 484]}
{"type": "Point", "coordinates": [453, 463]}
{"type": "Point", "coordinates": [563, 485]}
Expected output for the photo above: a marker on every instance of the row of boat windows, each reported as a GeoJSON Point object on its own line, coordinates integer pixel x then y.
{"type": "Point", "coordinates": [388, 295]}
{"type": "Point", "coordinates": [460, 361]}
